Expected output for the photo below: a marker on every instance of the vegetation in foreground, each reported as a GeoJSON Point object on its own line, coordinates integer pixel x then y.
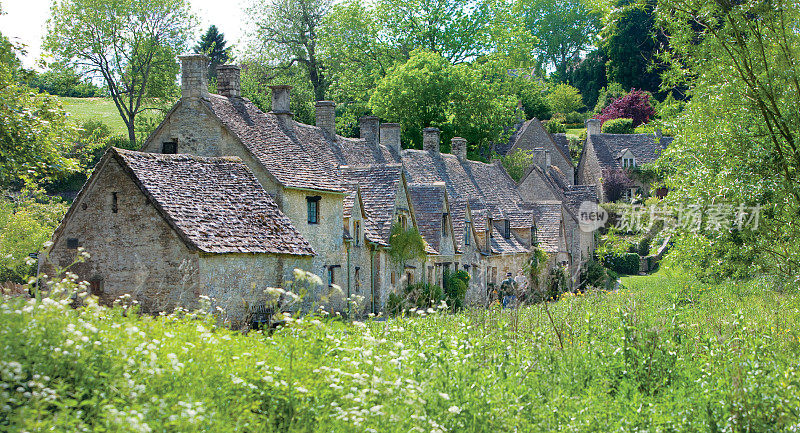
{"type": "Point", "coordinates": [666, 354]}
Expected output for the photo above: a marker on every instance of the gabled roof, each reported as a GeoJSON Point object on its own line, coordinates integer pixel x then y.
{"type": "Point", "coordinates": [280, 149]}
{"type": "Point", "coordinates": [610, 148]}
{"type": "Point", "coordinates": [562, 142]}
{"type": "Point", "coordinates": [459, 216]}
{"type": "Point", "coordinates": [215, 205]}
{"type": "Point", "coordinates": [577, 194]}
{"type": "Point", "coordinates": [539, 138]}
{"type": "Point", "coordinates": [378, 186]}
{"type": "Point", "coordinates": [429, 200]}
{"type": "Point", "coordinates": [548, 224]}
{"type": "Point", "coordinates": [510, 245]}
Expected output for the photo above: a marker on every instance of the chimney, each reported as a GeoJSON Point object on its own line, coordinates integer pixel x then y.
{"type": "Point", "coordinates": [430, 139]}
{"type": "Point", "coordinates": [194, 72]}
{"type": "Point", "coordinates": [326, 118]}
{"type": "Point", "coordinates": [547, 161]}
{"type": "Point", "coordinates": [368, 127]}
{"type": "Point", "coordinates": [280, 103]}
{"type": "Point", "coordinates": [458, 146]}
{"type": "Point", "coordinates": [228, 81]}
{"type": "Point", "coordinates": [593, 127]}
{"type": "Point", "coordinates": [390, 136]}
{"type": "Point", "coordinates": [539, 158]}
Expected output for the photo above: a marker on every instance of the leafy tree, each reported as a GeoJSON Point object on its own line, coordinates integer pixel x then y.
{"type": "Point", "coordinates": [288, 35]}
{"type": "Point", "coordinates": [63, 82]}
{"type": "Point", "coordinates": [635, 105]}
{"type": "Point", "coordinates": [615, 183]}
{"type": "Point", "coordinates": [564, 99]}
{"type": "Point", "coordinates": [214, 45]}
{"type": "Point", "coordinates": [607, 95]}
{"type": "Point", "coordinates": [517, 162]}
{"type": "Point", "coordinates": [622, 125]}
{"type": "Point", "coordinates": [130, 44]}
{"type": "Point", "coordinates": [564, 30]}
{"type": "Point", "coordinates": [456, 29]}
{"type": "Point", "coordinates": [589, 76]}
{"type": "Point", "coordinates": [738, 141]}
{"type": "Point", "coordinates": [631, 43]}
{"type": "Point", "coordinates": [405, 245]}
{"type": "Point", "coordinates": [533, 100]}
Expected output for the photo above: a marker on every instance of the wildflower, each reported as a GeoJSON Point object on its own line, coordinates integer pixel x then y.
{"type": "Point", "coordinates": [454, 409]}
{"type": "Point", "coordinates": [444, 396]}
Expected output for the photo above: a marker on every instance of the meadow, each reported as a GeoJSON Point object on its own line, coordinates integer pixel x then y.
{"type": "Point", "coordinates": [99, 109]}
{"type": "Point", "coordinates": [665, 353]}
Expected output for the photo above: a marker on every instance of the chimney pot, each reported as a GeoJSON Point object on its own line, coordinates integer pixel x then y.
{"type": "Point", "coordinates": [369, 127]}
{"type": "Point", "coordinates": [280, 103]}
{"type": "Point", "coordinates": [458, 147]}
{"type": "Point", "coordinates": [390, 136]}
{"type": "Point", "coordinates": [194, 76]}
{"type": "Point", "coordinates": [228, 81]}
{"type": "Point", "coordinates": [593, 126]}
{"type": "Point", "coordinates": [430, 139]}
{"type": "Point", "coordinates": [326, 118]}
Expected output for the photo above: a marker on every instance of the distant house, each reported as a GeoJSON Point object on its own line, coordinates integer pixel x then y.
{"type": "Point", "coordinates": [550, 149]}
{"type": "Point", "coordinates": [607, 153]}
{"type": "Point", "coordinates": [169, 228]}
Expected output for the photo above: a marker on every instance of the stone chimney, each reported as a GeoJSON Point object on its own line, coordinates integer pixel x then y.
{"type": "Point", "coordinates": [430, 139]}
{"type": "Point", "coordinates": [194, 73]}
{"type": "Point", "coordinates": [368, 127]}
{"type": "Point", "coordinates": [458, 147]}
{"type": "Point", "coordinates": [228, 81]}
{"type": "Point", "coordinates": [547, 160]}
{"type": "Point", "coordinates": [390, 136]}
{"type": "Point", "coordinates": [280, 103]}
{"type": "Point", "coordinates": [593, 127]}
{"type": "Point", "coordinates": [539, 158]}
{"type": "Point", "coordinates": [326, 118]}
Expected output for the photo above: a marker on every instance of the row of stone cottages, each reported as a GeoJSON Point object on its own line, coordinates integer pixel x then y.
{"type": "Point", "coordinates": [225, 200]}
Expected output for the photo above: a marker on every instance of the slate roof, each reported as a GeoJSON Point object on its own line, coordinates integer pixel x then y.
{"type": "Point", "coordinates": [611, 147]}
{"type": "Point", "coordinates": [548, 224]}
{"type": "Point", "coordinates": [428, 201]}
{"type": "Point", "coordinates": [577, 194]}
{"type": "Point", "coordinates": [562, 142]}
{"type": "Point", "coordinates": [539, 138]}
{"type": "Point", "coordinates": [378, 185]}
{"type": "Point", "coordinates": [282, 151]}
{"type": "Point", "coordinates": [215, 204]}
{"type": "Point", "coordinates": [458, 216]}
{"type": "Point", "coordinates": [501, 245]}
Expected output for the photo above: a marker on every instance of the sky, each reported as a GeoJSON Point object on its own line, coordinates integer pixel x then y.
{"type": "Point", "coordinates": [24, 22]}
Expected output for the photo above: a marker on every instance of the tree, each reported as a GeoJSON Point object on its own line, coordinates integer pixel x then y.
{"type": "Point", "coordinates": [288, 35]}
{"type": "Point", "coordinates": [517, 162]}
{"type": "Point", "coordinates": [405, 245]}
{"type": "Point", "coordinates": [130, 44]}
{"type": "Point", "coordinates": [589, 76]}
{"type": "Point", "coordinates": [213, 44]}
{"type": "Point", "coordinates": [564, 30]}
{"type": "Point", "coordinates": [564, 99]}
{"type": "Point", "coordinates": [738, 140]}
{"type": "Point", "coordinates": [635, 105]}
{"type": "Point", "coordinates": [456, 29]}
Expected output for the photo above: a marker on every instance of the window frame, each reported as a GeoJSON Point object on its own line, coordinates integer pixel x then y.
{"type": "Point", "coordinates": [357, 232]}
{"type": "Point", "coordinates": [507, 229]}
{"type": "Point", "coordinates": [625, 163]}
{"type": "Point", "coordinates": [468, 233]}
{"type": "Point", "coordinates": [173, 147]}
{"type": "Point", "coordinates": [312, 202]}
{"type": "Point", "coordinates": [444, 224]}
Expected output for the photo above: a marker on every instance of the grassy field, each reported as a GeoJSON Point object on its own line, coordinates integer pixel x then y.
{"type": "Point", "coordinates": [102, 109]}
{"type": "Point", "coordinates": [576, 132]}
{"type": "Point", "coordinates": [663, 354]}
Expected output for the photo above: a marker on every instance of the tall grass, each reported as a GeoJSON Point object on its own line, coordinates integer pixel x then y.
{"type": "Point", "coordinates": [665, 354]}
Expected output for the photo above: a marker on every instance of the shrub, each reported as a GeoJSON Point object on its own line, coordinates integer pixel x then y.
{"type": "Point", "coordinates": [635, 105]}
{"type": "Point", "coordinates": [574, 117]}
{"type": "Point", "coordinates": [555, 127]}
{"type": "Point", "coordinates": [627, 263]}
{"type": "Point", "coordinates": [594, 275]}
{"type": "Point", "coordinates": [618, 126]}
{"type": "Point", "coordinates": [608, 95]}
{"type": "Point", "coordinates": [644, 246]}
{"type": "Point", "coordinates": [615, 183]}
{"type": "Point", "coordinates": [564, 98]}
{"type": "Point", "coordinates": [455, 289]}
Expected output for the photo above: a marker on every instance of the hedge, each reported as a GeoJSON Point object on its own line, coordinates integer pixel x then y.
{"type": "Point", "coordinates": [627, 263]}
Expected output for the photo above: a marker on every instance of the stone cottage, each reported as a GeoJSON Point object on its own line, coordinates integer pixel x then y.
{"type": "Point", "coordinates": [169, 228]}
{"type": "Point", "coordinates": [607, 153]}
{"type": "Point", "coordinates": [547, 149]}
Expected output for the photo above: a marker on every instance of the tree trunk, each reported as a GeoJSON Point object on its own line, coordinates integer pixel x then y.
{"type": "Point", "coordinates": [131, 134]}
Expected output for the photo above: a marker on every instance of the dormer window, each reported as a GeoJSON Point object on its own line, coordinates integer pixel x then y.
{"type": "Point", "coordinates": [628, 162]}
{"type": "Point", "coordinates": [507, 229]}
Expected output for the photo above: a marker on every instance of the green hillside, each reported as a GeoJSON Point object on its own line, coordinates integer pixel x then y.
{"type": "Point", "coordinates": [102, 109]}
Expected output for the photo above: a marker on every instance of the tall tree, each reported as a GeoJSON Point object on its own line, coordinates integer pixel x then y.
{"type": "Point", "coordinates": [564, 30]}
{"type": "Point", "coordinates": [131, 44]}
{"type": "Point", "coordinates": [214, 45]}
{"type": "Point", "coordinates": [287, 33]}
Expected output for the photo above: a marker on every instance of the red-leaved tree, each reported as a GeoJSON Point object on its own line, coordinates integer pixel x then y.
{"type": "Point", "coordinates": [635, 105]}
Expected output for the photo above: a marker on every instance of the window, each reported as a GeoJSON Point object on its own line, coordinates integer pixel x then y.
{"type": "Point", "coordinates": [394, 278]}
{"type": "Point", "coordinates": [96, 286]}
{"type": "Point", "coordinates": [114, 207]}
{"type": "Point", "coordinates": [444, 224]}
{"type": "Point", "coordinates": [534, 235]}
{"type": "Point", "coordinates": [312, 204]}
{"type": "Point", "coordinates": [628, 162]}
{"type": "Point", "coordinates": [358, 279]}
{"type": "Point", "coordinates": [507, 230]}
{"type": "Point", "coordinates": [467, 233]}
{"type": "Point", "coordinates": [169, 147]}
{"type": "Point", "coordinates": [331, 275]}
{"type": "Point", "coordinates": [357, 233]}
{"type": "Point", "coordinates": [72, 243]}
{"type": "Point", "coordinates": [401, 219]}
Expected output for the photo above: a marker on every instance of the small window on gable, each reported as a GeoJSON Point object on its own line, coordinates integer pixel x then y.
{"type": "Point", "coordinates": [357, 233]}
{"type": "Point", "coordinates": [73, 243]}
{"type": "Point", "coordinates": [628, 162]}
{"type": "Point", "coordinates": [331, 275]}
{"type": "Point", "coordinates": [467, 233]}
{"type": "Point", "coordinates": [358, 279]}
{"type": "Point", "coordinates": [401, 219]}
{"type": "Point", "coordinates": [114, 203]}
{"type": "Point", "coordinates": [312, 204]}
{"type": "Point", "coordinates": [534, 235]}
{"type": "Point", "coordinates": [169, 147]}
{"type": "Point", "coordinates": [507, 230]}
{"type": "Point", "coordinates": [444, 224]}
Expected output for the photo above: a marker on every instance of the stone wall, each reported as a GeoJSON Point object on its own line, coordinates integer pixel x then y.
{"type": "Point", "coordinates": [589, 171]}
{"type": "Point", "coordinates": [533, 188]}
{"type": "Point", "coordinates": [133, 251]}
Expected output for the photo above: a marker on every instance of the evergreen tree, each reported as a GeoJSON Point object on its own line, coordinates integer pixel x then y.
{"type": "Point", "coordinates": [212, 44]}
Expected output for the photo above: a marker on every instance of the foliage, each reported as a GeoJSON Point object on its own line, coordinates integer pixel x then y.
{"type": "Point", "coordinates": [737, 140]}
{"type": "Point", "coordinates": [455, 289]}
{"type": "Point", "coordinates": [615, 183]}
{"type": "Point", "coordinates": [405, 245]}
{"type": "Point", "coordinates": [626, 263]}
{"type": "Point", "coordinates": [620, 125]}
{"type": "Point", "coordinates": [27, 219]}
{"type": "Point", "coordinates": [635, 105]}
{"type": "Point", "coordinates": [34, 132]}
{"type": "Point", "coordinates": [130, 44]}
{"type": "Point", "coordinates": [607, 95]}
{"type": "Point", "coordinates": [593, 274]}
{"type": "Point", "coordinates": [564, 98]}
{"type": "Point", "coordinates": [421, 295]}
{"type": "Point", "coordinates": [534, 267]}
{"type": "Point", "coordinates": [648, 345]}
{"type": "Point", "coordinates": [563, 29]}
{"type": "Point", "coordinates": [533, 100]}
{"type": "Point", "coordinates": [64, 82]}
{"type": "Point", "coordinates": [555, 126]}
{"type": "Point", "coordinates": [589, 76]}
{"type": "Point", "coordinates": [213, 44]}
{"type": "Point", "coordinates": [517, 162]}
